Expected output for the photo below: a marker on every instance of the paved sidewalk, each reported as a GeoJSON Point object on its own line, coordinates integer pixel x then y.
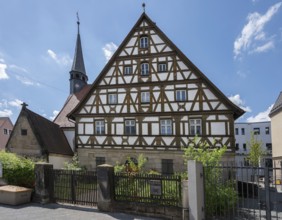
{"type": "Point", "coordinates": [36, 211]}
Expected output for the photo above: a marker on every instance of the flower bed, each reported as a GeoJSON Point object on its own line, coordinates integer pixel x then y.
{"type": "Point", "coordinates": [14, 195]}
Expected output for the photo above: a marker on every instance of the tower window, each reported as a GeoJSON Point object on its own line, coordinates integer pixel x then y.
{"type": "Point", "coordinates": [24, 132]}
{"type": "Point", "coordinates": [144, 42]}
{"type": "Point", "coordinates": [77, 76]}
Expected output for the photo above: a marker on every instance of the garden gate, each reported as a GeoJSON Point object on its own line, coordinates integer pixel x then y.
{"type": "Point", "coordinates": [243, 192]}
{"type": "Point", "coordinates": [71, 186]}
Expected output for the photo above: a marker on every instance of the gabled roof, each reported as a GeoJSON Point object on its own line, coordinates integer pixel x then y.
{"type": "Point", "coordinates": [237, 111]}
{"type": "Point", "coordinates": [4, 119]}
{"type": "Point", "coordinates": [71, 102]}
{"type": "Point", "coordinates": [49, 135]}
{"type": "Point", "coordinates": [277, 107]}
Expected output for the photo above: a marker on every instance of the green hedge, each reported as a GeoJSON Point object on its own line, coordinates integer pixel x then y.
{"type": "Point", "coordinates": [17, 170]}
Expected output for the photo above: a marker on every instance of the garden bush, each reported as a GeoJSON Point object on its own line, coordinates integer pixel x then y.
{"type": "Point", "coordinates": [17, 170]}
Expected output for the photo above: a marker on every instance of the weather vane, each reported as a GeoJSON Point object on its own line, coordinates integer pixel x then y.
{"type": "Point", "coordinates": [77, 18]}
{"type": "Point", "coordinates": [144, 6]}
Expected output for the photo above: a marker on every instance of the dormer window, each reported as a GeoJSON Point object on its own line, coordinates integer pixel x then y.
{"type": "Point", "coordinates": [144, 69]}
{"type": "Point", "coordinates": [144, 42]}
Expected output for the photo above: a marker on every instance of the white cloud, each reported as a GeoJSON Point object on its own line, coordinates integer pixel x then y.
{"type": "Point", "coordinates": [267, 46]}
{"type": "Point", "coordinates": [26, 81]}
{"type": "Point", "coordinates": [109, 50]}
{"type": "Point", "coordinates": [253, 32]}
{"type": "Point", "coordinates": [16, 103]}
{"type": "Point", "coordinates": [61, 59]}
{"type": "Point", "coordinates": [55, 113]}
{"type": "Point", "coordinates": [236, 99]}
{"type": "Point", "coordinates": [262, 116]}
{"type": "Point", "coordinates": [6, 113]}
{"type": "Point", "coordinates": [17, 68]}
{"type": "Point", "coordinates": [3, 73]}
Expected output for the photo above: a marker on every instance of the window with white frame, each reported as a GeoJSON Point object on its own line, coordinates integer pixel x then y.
{"type": "Point", "coordinates": [112, 98]}
{"type": "Point", "coordinates": [195, 126]}
{"type": "Point", "coordinates": [127, 70]}
{"type": "Point", "coordinates": [180, 95]}
{"type": "Point", "coordinates": [100, 127]}
{"type": "Point", "coordinates": [162, 67]}
{"type": "Point", "coordinates": [144, 42]}
{"type": "Point", "coordinates": [145, 97]}
{"type": "Point", "coordinates": [130, 127]}
{"type": "Point", "coordinates": [144, 69]}
{"type": "Point", "coordinates": [166, 126]}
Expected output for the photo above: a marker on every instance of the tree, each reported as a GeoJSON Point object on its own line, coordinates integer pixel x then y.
{"type": "Point", "coordinates": [256, 151]}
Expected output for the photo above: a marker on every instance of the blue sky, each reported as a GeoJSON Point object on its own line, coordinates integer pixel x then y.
{"type": "Point", "coordinates": [237, 44]}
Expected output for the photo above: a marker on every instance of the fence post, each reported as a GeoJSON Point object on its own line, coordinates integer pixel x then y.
{"type": "Point", "coordinates": [267, 193]}
{"type": "Point", "coordinates": [196, 190]}
{"type": "Point", "coordinates": [42, 182]}
{"type": "Point", "coordinates": [105, 178]}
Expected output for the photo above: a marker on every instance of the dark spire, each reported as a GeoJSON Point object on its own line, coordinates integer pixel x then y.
{"type": "Point", "coordinates": [78, 77]}
{"type": "Point", "coordinates": [78, 62]}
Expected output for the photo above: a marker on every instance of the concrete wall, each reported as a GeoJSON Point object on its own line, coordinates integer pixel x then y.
{"type": "Point", "coordinates": [58, 161]}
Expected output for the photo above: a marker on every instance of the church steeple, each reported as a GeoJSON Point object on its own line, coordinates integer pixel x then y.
{"type": "Point", "coordinates": [78, 77]}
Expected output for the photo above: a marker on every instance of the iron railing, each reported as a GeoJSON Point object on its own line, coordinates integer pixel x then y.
{"type": "Point", "coordinates": [75, 187]}
{"type": "Point", "coordinates": [148, 189]}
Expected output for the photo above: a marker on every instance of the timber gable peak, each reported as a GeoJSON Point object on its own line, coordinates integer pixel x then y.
{"type": "Point", "coordinates": [155, 68]}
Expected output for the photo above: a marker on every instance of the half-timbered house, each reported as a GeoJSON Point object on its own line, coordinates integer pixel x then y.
{"type": "Point", "coordinates": [151, 99]}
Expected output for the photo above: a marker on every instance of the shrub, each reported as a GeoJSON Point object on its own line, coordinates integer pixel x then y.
{"type": "Point", "coordinates": [17, 170]}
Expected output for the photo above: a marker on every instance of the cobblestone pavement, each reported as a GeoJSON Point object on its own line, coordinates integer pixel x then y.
{"type": "Point", "coordinates": [53, 211]}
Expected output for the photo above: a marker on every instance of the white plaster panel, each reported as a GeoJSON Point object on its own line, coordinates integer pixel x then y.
{"type": "Point", "coordinates": [155, 129]}
{"type": "Point", "coordinates": [90, 100]}
{"type": "Point", "coordinates": [129, 50]}
{"type": "Point", "coordinates": [155, 66]}
{"type": "Point", "coordinates": [218, 128]}
{"type": "Point", "coordinates": [110, 72]}
{"type": "Point", "coordinates": [214, 104]}
{"type": "Point", "coordinates": [222, 117]}
{"type": "Point", "coordinates": [157, 39]}
{"type": "Point", "coordinates": [132, 109]}
{"type": "Point", "coordinates": [86, 120]}
{"type": "Point", "coordinates": [206, 106]}
{"type": "Point", "coordinates": [113, 82]}
{"type": "Point", "coordinates": [110, 90]}
{"type": "Point", "coordinates": [163, 76]}
{"type": "Point", "coordinates": [170, 95]}
{"type": "Point", "coordinates": [168, 140]}
{"type": "Point", "coordinates": [94, 109]}
{"type": "Point", "coordinates": [182, 65]}
{"type": "Point", "coordinates": [196, 107]}
{"type": "Point", "coordinates": [156, 95]}
{"type": "Point", "coordinates": [193, 76]}
{"type": "Point", "coordinates": [153, 50]}
{"type": "Point", "coordinates": [191, 94]}
{"type": "Point", "coordinates": [82, 111]}
{"type": "Point", "coordinates": [149, 140]}
{"type": "Point", "coordinates": [211, 117]}
{"type": "Point", "coordinates": [133, 95]}
{"type": "Point", "coordinates": [160, 47]}
{"type": "Point", "coordinates": [131, 42]}
{"type": "Point", "coordinates": [166, 108]}
{"type": "Point", "coordinates": [80, 128]}
{"type": "Point", "coordinates": [131, 140]}
{"type": "Point", "coordinates": [179, 76]}
{"type": "Point", "coordinates": [162, 59]}
{"type": "Point", "coordinates": [151, 119]}
{"type": "Point", "coordinates": [119, 129]}
{"type": "Point", "coordinates": [121, 97]}
{"type": "Point", "coordinates": [144, 128]}
{"type": "Point", "coordinates": [107, 80]}
{"type": "Point", "coordinates": [87, 108]}
{"type": "Point", "coordinates": [122, 54]}
{"type": "Point", "coordinates": [118, 140]}
{"type": "Point", "coordinates": [117, 119]}
{"type": "Point", "coordinates": [186, 74]}
{"type": "Point", "coordinates": [167, 49]}
{"type": "Point", "coordinates": [209, 94]}
{"type": "Point", "coordinates": [169, 88]}
{"type": "Point", "coordinates": [222, 107]}
{"type": "Point", "coordinates": [135, 51]}
{"type": "Point", "coordinates": [84, 139]}
{"type": "Point", "coordinates": [127, 79]}
{"type": "Point", "coordinates": [107, 109]}
{"type": "Point", "coordinates": [127, 62]}
{"type": "Point", "coordinates": [103, 99]}
{"type": "Point", "coordinates": [100, 139]}
{"type": "Point", "coordinates": [154, 78]}
{"type": "Point", "coordinates": [188, 106]}
{"type": "Point", "coordinates": [89, 129]}
{"type": "Point", "coordinates": [192, 86]}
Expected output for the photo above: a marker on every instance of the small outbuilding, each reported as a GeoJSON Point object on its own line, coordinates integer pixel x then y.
{"type": "Point", "coordinates": [36, 137]}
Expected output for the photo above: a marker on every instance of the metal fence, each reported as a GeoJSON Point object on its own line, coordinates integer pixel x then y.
{"type": "Point", "coordinates": [148, 189]}
{"type": "Point", "coordinates": [237, 192]}
{"type": "Point", "coordinates": [75, 187]}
